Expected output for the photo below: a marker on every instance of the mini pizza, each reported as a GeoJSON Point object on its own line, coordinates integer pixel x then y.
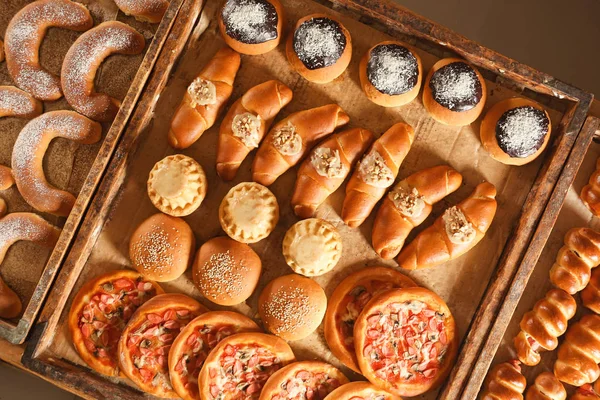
{"type": "Point", "coordinates": [360, 391]}
{"type": "Point", "coordinates": [145, 343]}
{"type": "Point", "coordinates": [195, 342]}
{"type": "Point", "coordinates": [405, 341]}
{"type": "Point", "coordinates": [241, 364]}
{"type": "Point", "coordinates": [100, 312]}
{"type": "Point", "coordinates": [348, 300]}
{"type": "Point", "coordinates": [303, 380]}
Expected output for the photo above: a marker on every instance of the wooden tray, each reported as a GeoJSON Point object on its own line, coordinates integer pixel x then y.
{"type": "Point", "coordinates": [77, 169]}
{"type": "Point", "coordinates": [487, 271]}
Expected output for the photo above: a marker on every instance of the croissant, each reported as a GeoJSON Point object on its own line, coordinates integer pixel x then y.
{"type": "Point", "coordinates": [408, 204]}
{"type": "Point", "coordinates": [204, 99]}
{"type": "Point", "coordinates": [376, 172]}
{"type": "Point", "coordinates": [585, 392]}
{"type": "Point", "coordinates": [541, 327]}
{"type": "Point", "coordinates": [575, 260]}
{"type": "Point", "coordinates": [454, 233]}
{"type": "Point", "coordinates": [291, 138]}
{"type": "Point", "coordinates": [579, 354]}
{"type": "Point", "coordinates": [323, 172]}
{"type": "Point", "coordinates": [590, 194]}
{"type": "Point", "coordinates": [546, 387]}
{"type": "Point", "coordinates": [505, 382]}
{"type": "Point", "coordinates": [590, 296]}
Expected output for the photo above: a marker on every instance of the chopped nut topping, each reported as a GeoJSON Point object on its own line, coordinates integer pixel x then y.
{"type": "Point", "coordinates": [373, 170]}
{"type": "Point", "coordinates": [327, 163]}
{"type": "Point", "coordinates": [202, 92]}
{"type": "Point", "coordinates": [287, 141]}
{"type": "Point", "coordinates": [407, 200]}
{"type": "Point", "coordinates": [246, 127]}
{"type": "Point", "coordinates": [458, 229]}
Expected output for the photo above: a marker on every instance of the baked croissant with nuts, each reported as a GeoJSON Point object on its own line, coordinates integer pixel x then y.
{"type": "Point", "coordinates": [579, 354]}
{"type": "Point", "coordinates": [505, 382]}
{"type": "Point", "coordinates": [546, 387]}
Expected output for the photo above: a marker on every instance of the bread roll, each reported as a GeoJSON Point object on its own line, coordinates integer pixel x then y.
{"type": "Point", "coordinates": [504, 382]}
{"type": "Point", "coordinates": [546, 387]}
{"type": "Point", "coordinates": [590, 296]}
{"type": "Point", "coordinates": [590, 194]}
{"type": "Point", "coordinates": [579, 353]}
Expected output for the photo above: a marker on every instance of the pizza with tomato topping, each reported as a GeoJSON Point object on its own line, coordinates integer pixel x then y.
{"type": "Point", "coordinates": [348, 300]}
{"type": "Point", "coordinates": [99, 313]}
{"type": "Point", "coordinates": [145, 343]}
{"type": "Point", "coordinates": [405, 341]}
{"type": "Point", "coordinates": [360, 391]}
{"type": "Point", "coordinates": [196, 341]}
{"type": "Point", "coordinates": [303, 380]}
{"type": "Point", "coordinates": [239, 366]}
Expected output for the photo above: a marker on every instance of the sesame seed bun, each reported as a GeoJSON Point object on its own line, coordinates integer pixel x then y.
{"type": "Point", "coordinates": [292, 306]}
{"type": "Point", "coordinates": [226, 271]}
{"type": "Point", "coordinates": [161, 247]}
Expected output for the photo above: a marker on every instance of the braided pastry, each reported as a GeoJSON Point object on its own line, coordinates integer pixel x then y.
{"type": "Point", "coordinates": [579, 354]}
{"type": "Point", "coordinates": [505, 382]}
{"type": "Point", "coordinates": [586, 392]}
{"type": "Point", "coordinates": [541, 327]}
{"type": "Point", "coordinates": [546, 387]}
{"type": "Point", "coordinates": [575, 260]}
{"type": "Point", "coordinates": [590, 296]}
{"type": "Point", "coordinates": [590, 194]}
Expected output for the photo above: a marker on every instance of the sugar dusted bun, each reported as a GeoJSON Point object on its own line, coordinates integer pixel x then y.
{"type": "Point", "coordinates": [454, 92]}
{"type": "Point", "coordinates": [251, 26]}
{"type": "Point", "coordinates": [391, 73]}
{"type": "Point", "coordinates": [161, 247]}
{"type": "Point", "coordinates": [307, 47]}
{"type": "Point", "coordinates": [226, 271]}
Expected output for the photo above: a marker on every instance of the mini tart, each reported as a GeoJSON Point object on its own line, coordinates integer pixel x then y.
{"type": "Point", "coordinates": [249, 212]}
{"type": "Point", "coordinates": [391, 73]}
{"type": "Point", "coordinates": [241, 364]}
{"type": "Point", "coordinates": [312, 247]}
{"type": "Point", "coordinates": [99, 313]}
{"type": "Point", "coordinates": [303, 380]}
{"type": "Point", "coordinates": [360, 391]}
{"type": "Point", "coordinates": [177, 185]}
{"type": "Point", "coordinates": [196, 341]}
{"type": "Point", "coordinates": [348, 300]}
{"type": "Point", "coordinates": [226, 271]}
{"type": "Point", "coordinates": [145, 343]}
{"type": "Point", "coordinates": [454, 92]}
{"type": "Point", "coordinates": [515, 131]}
{"type": "Point", "coordinates": [390, 352]}
{"type": "Point", "coordinates": [292, 306]}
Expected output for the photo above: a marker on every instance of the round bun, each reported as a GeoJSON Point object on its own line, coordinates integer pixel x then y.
{"type": "Point", "coordinates": [161, 248]}
{"type": "Point", "coordinates": [391, 73]}
{"type": "Point", "coordinates": [360, 390]}
{"type": "Point", "coordinates": [515, 131]}
{"type": "Point", "coordinates": [251, 26]}
{"type": "Point", "coordinates": [455, 95]}
{"type": "Point", "coordinates": [292, 306]}
{"type": "Point", "coordinates": [226, 271]}
{"type": "Point", "coordinates": [305, 48]}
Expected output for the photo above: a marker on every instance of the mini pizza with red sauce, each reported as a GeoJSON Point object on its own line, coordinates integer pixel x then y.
{"type": "Point", "coordinates": [303, 380]}
{"type": "Point", "coordinates": [360, 391]}
{"type": "Point", "coordinates": [145, 343]}
{"type": "Point", "coordinates": [196, 341]}
{"type": "Point", "coordinates": [240, 365]}
{"type": "Point", "coordinates": [99, 313]}
{"type": "Point", "coordinates": [348, 300]}
{"type": "Point", "coordinates": [405, 341]}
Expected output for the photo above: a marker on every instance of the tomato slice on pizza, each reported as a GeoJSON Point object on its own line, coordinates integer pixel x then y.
{"type": "Point", "coordinates": [405, 341]}
{"type": "Point", "coordinates": [145, 343]}
{"type": "Point", "coordinates": [360, 391]}
{"type": "Point", "coordinates": [99, 313]}
{"type": "Point", "coordinates": [239, 366]}
{"type": "Point", "coordinates": [303, 380]}
{"type": "Point", "coordinates": [196, 341]}
{"type": "Point", "coordinates": [348, 300]}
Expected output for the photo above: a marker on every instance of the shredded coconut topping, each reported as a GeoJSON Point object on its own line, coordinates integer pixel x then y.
{"type": "Point", "coordinates": [373, 170]}
{"type": "Point", "coordinates": [250, 21]}
{"type": "Point", "coordinates": [319, 42]}
{"type": "Point", "coordinates": [458, 229]}
{"type": "Point", "coordinates": [287, 141]}
{"type": "Point", "coordinates": [392, 69]}
{"type": "Point", "coordinates": [327, 162]}
{"type": "Point", "coordinates": [521, 131]}
{"type": "Point", "coordinates": [246, 127]}
{"type": "Point", "coordinates": [456, 86]}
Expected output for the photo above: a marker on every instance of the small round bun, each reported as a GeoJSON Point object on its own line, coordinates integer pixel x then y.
{"type": "Point", "coordinates": [515, 131]}
{"type": "Point", "coordinates": [391, 73]}
{"type": "Point", "coordinates": [161, 247]}
{"type": "Point", "coordinates": [251, 26]}
{"type": "Point", "coordinates": [320, 48]}
{"type": "Point", "coordinates": [226, 271]}
{"type": "Point", "coordinates": [292, 306]}
{"type": "Point", "coordinates": [360, 390]}
{"type": "Point", "coordinates": [454, 92]}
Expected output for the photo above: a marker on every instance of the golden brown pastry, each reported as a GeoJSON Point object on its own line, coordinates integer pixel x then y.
{"type": "Point", "coordinates": [204, 99]}
{"type": "Point", "coordinates": [590, 296]}
{"type": "Point", "coordinates": [454, 233]}
{"type": "Point", "coordinates": [590, 194]}
{"type": "Point", "coordinates": [505, 382]}
{"type": "Point", "coordinates": [408, 204]}
{"type": "Point", "coordinates": [15, 102]}
{"type": "Point", "coordinates": [542, 326]}
{"type": "Point", "coordinates": [144, 10]}
{"type": "Point", "coordinates": [360, 390]}
{"type": "Point", "coordinates": [1, 50]}
{"type": "Point", "coordinates": [579, 353]}
{"type": "Point", "coordinates": [573, 266]}
{"type": "Point", "coordinates": [28, 155]}
{"type": "Point", "coordinates": [546, 387]}
{"type": "Point", "coordinates": [3, 207]}
{"type": "Point", "coordinates": [585, 392]}
{"type": "Point", "coordinates": [24, 36]}
{"type": "Point", "coordinates": [291, 139]}
{"type": "Point", "coordinates": [6, 177]}
{"type": "Point", "coordinates": [376, 172]}
{"type": "Point", "coordinates": [246, 124]}
{"type": "Point", "coordinates": [325, 169]}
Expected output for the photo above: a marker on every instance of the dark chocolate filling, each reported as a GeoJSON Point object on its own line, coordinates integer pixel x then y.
{"type": "Point", "coordinates": [520, 132]}
{"type": "Point", "coordinates": [456, 86]}
{"type": "Point", "coordinates": [250, 21]}
{"type": "Point", "coordinates": [392, 69]}
{"type": "Point", "coordinates": [319, 42]}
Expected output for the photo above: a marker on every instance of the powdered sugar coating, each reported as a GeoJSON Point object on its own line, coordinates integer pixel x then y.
{"type": "Point", "coordinates": [319, 42]}
{"type": "Point", "coordinates": [392, 69]}
{"type": "Point", "coordinates": [250, 21]}
{"type": "Point", "coordinates": [521, 131]}
{"type": "Point", "coordinates": [456, 86]}
{"type": "Point", "coordinates": [26, 226]}
{"type": "Point", "coordinates": [17, 103]}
